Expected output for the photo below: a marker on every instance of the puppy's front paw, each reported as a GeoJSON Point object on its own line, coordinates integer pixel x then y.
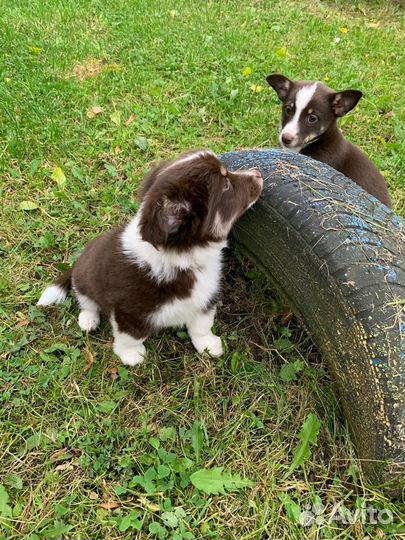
{"type": "Point", "coordinates": [88, 320]}
{"type": "Point", "coordinates": [209, 343]}
{"type": "Point", "coordinates": [132, 355]}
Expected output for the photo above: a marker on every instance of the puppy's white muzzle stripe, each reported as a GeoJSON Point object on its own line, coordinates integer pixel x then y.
{"type": "Point", "coordinates": [302, 99]}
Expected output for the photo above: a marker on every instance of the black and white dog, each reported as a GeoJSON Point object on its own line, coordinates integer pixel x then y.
{"type": "Point", "coordinates": [308, 125]}
{"type": "Point", "coordinates": [163, 269]}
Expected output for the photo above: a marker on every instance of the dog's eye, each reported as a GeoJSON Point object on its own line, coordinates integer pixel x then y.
{"type": "Point", "coordinates": [227, 185]}
{"type": "Point", "coordinates": [288, 110]}
{"type": "Point", "coordinates": [312, 119]}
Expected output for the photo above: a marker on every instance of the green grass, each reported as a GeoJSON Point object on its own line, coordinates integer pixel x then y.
{"type": "Point", "coordinates": [72, 438]}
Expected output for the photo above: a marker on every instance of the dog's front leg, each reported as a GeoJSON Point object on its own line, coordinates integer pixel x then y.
{"type": "Point", "coordinates": [128, 344]}
{"type": "Point", "coordinates": [201, 335]}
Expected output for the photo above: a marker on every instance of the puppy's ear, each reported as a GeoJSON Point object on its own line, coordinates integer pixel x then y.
{"type": "Point", "coordinates": [164, 220]}
{"type": "Point", "coordinates": [281, 85]}
{"type": "Point", "coordinates": [173, 214]}
{"type": "Point", "coordinates": [150, 178]}
{"type": "Point", "coordinates": [343, 102]}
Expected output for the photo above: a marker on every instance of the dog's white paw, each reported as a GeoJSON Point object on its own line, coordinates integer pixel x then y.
{"type": "Point", "coordinates": [88, 320]}
{"type": "Point", "coordinates": [131, 356]}
{"type": "Point", "coordinates": [209, 343]}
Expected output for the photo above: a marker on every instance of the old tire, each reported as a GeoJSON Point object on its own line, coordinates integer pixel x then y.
{"type": "Point", "coordinates": [337, 255]}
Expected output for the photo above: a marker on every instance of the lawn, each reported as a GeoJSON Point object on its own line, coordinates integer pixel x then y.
{"type": "Point", "coordinates": [92, 92]}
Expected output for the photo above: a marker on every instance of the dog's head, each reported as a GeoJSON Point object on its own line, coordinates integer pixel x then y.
{"type": "Point", "coordinates": [194, 200]}
{"type": "Point", "coordinates": [309, 109]}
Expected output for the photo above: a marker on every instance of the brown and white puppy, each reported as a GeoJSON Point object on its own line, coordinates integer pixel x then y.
{"type": "Point", "coordinates": [163, 269]}
{"type": "Point", "coordinates": [308, 125]}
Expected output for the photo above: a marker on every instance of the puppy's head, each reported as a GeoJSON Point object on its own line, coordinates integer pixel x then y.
{"type": "Point", "coordinates": [194, 200]}
{"type": "Point", "coordinates": [309, 109]}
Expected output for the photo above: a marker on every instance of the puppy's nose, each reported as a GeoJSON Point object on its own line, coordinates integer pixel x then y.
{"type": "Point", "coordinates": [257, 173]}
{"type": "Point", "coordinates": [286, 138]}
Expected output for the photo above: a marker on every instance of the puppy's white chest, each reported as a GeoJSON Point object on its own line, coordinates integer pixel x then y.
{"type": "Point", "coordinates": [179, 312]}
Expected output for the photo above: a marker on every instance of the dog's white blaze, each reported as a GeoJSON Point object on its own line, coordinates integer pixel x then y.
{"type": "Point", "coordinates": [191, 157]}
{"type": "Point", "coordinates": [302, 98]}
{"type": "Point", "coordinates": [244, 173]}
{"type": "Point", "coordinates": [52, 295]}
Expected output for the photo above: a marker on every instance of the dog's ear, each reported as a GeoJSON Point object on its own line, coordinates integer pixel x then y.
{"type": "Point", "coordinates": [343, 102]}
{"type": "Point", "coordinates": [150, 178]}
{"type": "Point", "coordinates": [281, 85]}
{"type": "Point", "coordinates": [164, 220]}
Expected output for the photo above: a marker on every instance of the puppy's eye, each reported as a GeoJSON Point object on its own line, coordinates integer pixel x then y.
{"type": "Point", "coordinates": [312, 119]}
{"type": "Point", "coordinates": [227, 184]}
{"type": "Point", "coordinates": [288, 110]}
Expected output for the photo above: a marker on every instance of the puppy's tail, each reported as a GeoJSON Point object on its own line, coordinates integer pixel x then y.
{"type": "Point", "coordinates": [57, 293]}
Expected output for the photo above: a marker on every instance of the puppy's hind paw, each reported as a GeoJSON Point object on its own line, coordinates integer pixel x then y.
{"type": "Point", "coordinates": [210, 344]}
{"type": "Point", "coordinates": [132, 356]}
{"type": "Point", "coordinates": [88, 320]}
